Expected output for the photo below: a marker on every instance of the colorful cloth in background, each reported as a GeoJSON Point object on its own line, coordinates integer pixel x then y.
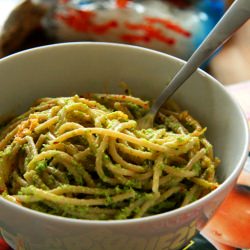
{"type": "Point", "coordinates": [176, 27]}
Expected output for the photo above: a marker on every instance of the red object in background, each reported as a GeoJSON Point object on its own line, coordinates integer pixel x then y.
{"type": "Point", "coordinates": [3, 245]}
{"type": "Point", "coordinates": [231, 223]}
{"type": "Point", "coordinates": [170, 25]}
{"type": "Point", "coordinates": [122, 3]}
{"type": "Point", "coordinates": [149, 29]}
{"type": "Point", "coordinates": [150, 33]}
{"type": "Point", "coordinates": [82, 20]}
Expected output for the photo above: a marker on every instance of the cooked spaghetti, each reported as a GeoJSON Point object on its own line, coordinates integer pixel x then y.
{"type": "Point", "coordinates": [85, 157]}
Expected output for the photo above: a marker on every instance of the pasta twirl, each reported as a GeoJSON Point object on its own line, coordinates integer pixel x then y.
{"type": "Point", "coordinates": [85, 157]}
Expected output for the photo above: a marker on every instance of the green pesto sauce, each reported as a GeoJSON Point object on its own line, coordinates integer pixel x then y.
{"type": "Point", "coordinates": [41, 166]}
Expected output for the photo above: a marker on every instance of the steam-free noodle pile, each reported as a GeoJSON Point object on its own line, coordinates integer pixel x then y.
{"type": "Point", "coordinates": [85, 157]}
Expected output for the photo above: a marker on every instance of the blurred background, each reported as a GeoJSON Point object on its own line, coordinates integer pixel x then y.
{"type": "Point", "coordinates": [175, 27]}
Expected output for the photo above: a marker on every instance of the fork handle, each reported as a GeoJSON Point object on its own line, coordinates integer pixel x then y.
{"type": "Point", "coordinates": [236, 16]}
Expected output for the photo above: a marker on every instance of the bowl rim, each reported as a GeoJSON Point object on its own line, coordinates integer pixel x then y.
{"type": "Point", "coordinates": [198, 203]}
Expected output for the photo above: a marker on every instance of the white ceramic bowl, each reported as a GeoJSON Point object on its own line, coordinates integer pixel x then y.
{"type": "Point", "coordinates": [66, 69]}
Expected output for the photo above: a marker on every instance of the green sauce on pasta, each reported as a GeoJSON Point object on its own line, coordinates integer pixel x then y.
{"type": "Point", "coordinates": [84, 157]}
